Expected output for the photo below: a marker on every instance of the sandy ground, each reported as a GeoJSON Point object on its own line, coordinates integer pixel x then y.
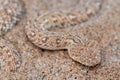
{"type": "Point", "coordinates": [41, 64]}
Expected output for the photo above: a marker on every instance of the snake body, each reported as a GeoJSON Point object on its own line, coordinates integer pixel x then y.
{"type": "Point", "coordinates": [10, 13]}
{"type": "Point", "coordinates": [54, 30]}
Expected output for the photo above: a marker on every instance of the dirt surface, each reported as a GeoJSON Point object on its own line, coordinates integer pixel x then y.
{"type": "Point", "coordinates": [21, 59]}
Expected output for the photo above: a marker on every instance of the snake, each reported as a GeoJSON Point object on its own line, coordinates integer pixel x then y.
{"type": "Point", "coordinates": [54, 30]}
{"type": "Point", "coordinates": [10, 59]}
{"type": "Point", "coordinates": [10, 13]}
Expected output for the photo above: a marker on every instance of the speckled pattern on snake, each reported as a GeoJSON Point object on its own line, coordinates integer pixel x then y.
{"type": "Point", "coordinates": [10, 14]}
{"type": "Point", "coordinates": [54, 30]}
